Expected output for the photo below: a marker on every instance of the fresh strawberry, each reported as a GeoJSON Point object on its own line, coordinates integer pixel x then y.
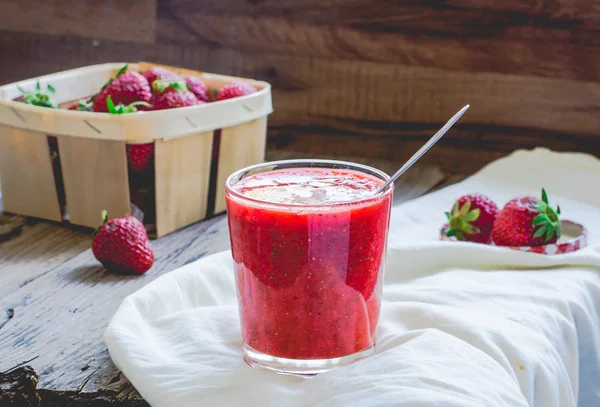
{"type": "Point", "coordinates": [125, 89]}
{"type": "Point", "coordinates": [472, 218]}
{"type": "Point", "coordinates": [122, 109]}
{"type": "Point", "coordinates": [527, 221]}
{"type": "Point", "coordinates": [38, 98]}
{"type": "Point", "coordinates": [235, 89]}
{"type": "Point", "coordinates": [197, 87]}
{"type": "Point", "coordinates": [108, 82]}
{"type": "Point", "coordinates": [155, 73]}
{"type": "Point", "coordinates": [170, 95]}
{"type": "Point", "coordinates": [121, 245]}
{"type": "Point", "coordinates": [140, 156]}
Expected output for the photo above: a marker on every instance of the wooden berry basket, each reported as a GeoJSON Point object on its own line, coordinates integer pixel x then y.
{"type": "Point", "coordinates": [92, 147]}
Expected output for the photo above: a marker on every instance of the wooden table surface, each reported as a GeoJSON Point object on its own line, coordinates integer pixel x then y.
{"type": "Point", "coordinates": [56, 301]}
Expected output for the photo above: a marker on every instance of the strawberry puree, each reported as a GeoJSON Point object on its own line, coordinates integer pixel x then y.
{"type": "Point", "coordinates": [309, 264]}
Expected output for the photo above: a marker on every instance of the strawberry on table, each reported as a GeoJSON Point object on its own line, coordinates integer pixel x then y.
{"type": "Point", "coordinates": [235, 89]}
{"type": "Point", "coordinates": [527, 221]}
{"type": "Point", "coordinates": [38, 98]}
{"type": "Point", "coordinates": [170, 95]}
{"type": "Point", "coordinates": [197, 87]}
{"type": "Point", "coordinates": [155, 73]}
{"type": "Point", "coordinates": [125, 89]}
{"type": "Point", "coordinates": [472, 218]}
{"type": "Point", "coordinates": [122, 245]}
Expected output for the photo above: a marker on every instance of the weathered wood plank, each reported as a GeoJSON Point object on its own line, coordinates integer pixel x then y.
{"type": "Point", "coordinates": [95, 179]}
{"type": "Point", "coordinates": [58, 318]}
{"type": "Point", "coordinates": [397, 94]}
{"type": "Point", "coordinates": [110, 19]}
{"type": "Point", "coordinates": [32, 248]}
{"type": "Point", "coordinates": [446, 17]}
{"type": "Point", "coordinates": [29, 183]}
{"type": "Point", "coordinates": [311, 88]}
{"type": "Point", "coordinates": [464, 149]}
{"type": "Point", "coordinates": [544, 56]}
{"type": "Point", "coordinates": [54, 307]}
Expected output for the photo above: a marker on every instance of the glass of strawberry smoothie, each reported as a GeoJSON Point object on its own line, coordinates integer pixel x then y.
{"type": "Point", "coordinates": [308, 240]}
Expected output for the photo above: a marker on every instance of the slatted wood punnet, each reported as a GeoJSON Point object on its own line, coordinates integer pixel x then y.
{"type": "Point", "coordinates": [92, 148]}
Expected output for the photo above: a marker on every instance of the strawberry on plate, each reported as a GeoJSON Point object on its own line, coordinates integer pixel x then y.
{"type": "Point", "coordinates": [527, 221]}
{"type": "Point", "coordinates": [155, 73]}
{"type": "Point", "coordinates": [122, 245]}
{"type": "Point", "coordinates": [197, 87]}
{"type": "Point", "coordinates": [472, 218]}
{"type": "Point", "coordinates": [235, 89]}
{"type": "Point", "coordinates": [170, 95]}
{"type": "Point", "coordinates": [126, 88]}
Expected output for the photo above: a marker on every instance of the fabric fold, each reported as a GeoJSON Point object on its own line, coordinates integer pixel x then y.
{"type": "Point", "coordinates": [462, 324]}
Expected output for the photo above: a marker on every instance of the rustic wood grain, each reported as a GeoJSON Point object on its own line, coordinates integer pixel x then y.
{"type": "Point", "coordinates": [58, 316]}
{"type": "Point", "coordinates": [34, 249]}
{"type": "Point", "coordinates": [543, 56]}
{"type": "Point", "coordinates": [95, 177]}
{"type": "Point", "coordinates": [240, 146]}
{"type": "Point", "coordinates": [55, 307]}
{"type": "Point", "coordinates": [464, 149]}
{"type": "Point", "coordinates": [412, 15]}
{"type": "Point", "coordinates": [307, 89]}
{"type": "Point", "coordinates": [399, 94]}
{"type": "Point", "coordinates": [26, 166]}
{"type": "Point", "coordinates": [109, 19]}
{"type": "Point", "coordinates": [182, 179]}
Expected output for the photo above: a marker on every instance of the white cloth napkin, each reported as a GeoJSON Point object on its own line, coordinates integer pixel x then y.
{"type": "Point", "coordinates": [462, 324]}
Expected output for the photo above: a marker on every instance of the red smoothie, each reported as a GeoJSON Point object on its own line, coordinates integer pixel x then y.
{"type": "Point", "coordinates": [309, 250]}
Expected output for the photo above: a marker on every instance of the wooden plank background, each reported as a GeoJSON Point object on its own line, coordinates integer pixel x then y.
{"type": "Point", "coordinates": [362, 78]}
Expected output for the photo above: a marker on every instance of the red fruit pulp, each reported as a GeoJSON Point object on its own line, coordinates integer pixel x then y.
{"type": "Point", "coordinates": [309, 265]}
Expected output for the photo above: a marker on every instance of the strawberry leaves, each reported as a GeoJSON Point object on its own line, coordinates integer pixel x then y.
{"type": "Point", "coordinates": [122, 109]}
{"type": "Point", "coordinates": [547, 222]}
{"type": "Point", "coordinates": [460, 220]}
{"type": "Point", "coordinates": [161, 85]}
{"type": "Point", "coordinates": [39, 98]}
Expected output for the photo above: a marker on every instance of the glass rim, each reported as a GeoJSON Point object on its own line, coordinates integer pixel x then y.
{"type": "Point", "coordinates": [342, 164]}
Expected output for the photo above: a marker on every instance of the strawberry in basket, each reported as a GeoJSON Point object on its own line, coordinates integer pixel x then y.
{"type": "Point", "coordinates": [197, 87]}
{"type": "Point", "coordinates": [155, 73]}
{"type": "Point", "coordinates": [527, 221]}
{"type": "Point", "coordinates": [126, 88]}
{"type": "Point", "coordinates": [170, 95]}
{"type": "Point", "coordinates": [235, 89]}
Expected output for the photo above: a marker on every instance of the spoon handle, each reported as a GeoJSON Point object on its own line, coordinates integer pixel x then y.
{"type": "Point", "coordinates": [423, 149]}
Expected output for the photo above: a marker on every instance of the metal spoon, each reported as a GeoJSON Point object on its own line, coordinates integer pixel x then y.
{"type": "Point", "coordinates": [423, 149]}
